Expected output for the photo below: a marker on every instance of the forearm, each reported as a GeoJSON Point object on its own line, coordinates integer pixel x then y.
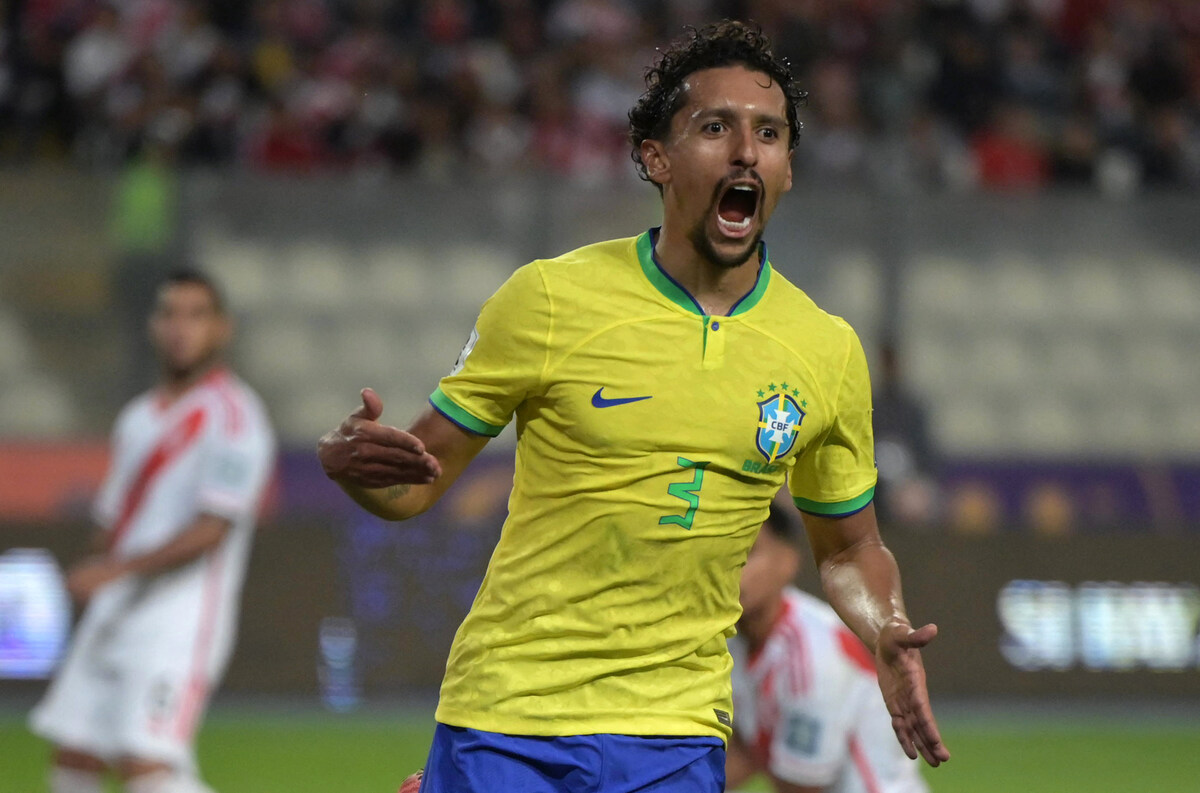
{"type": "Point", "coordinates": [739, 765]}
{"type": "Point", "coordinates": [397, 502]}
{"type": "Point", "coordinates": [862, 583]}
{"type": "Point", "coordinates": [204, 534]}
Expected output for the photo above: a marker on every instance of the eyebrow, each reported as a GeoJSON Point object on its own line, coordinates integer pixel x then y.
{"type": "Point", "coordinates": [725, 114]}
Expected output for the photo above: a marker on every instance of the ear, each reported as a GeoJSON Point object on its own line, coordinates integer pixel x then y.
{"type": "Point", "coordinates": [787, 183]}
{"type": "Point", "coordinates": [658, 165]}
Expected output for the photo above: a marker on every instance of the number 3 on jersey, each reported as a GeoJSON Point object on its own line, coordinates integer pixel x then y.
{"type": "Point", "coordinates": [688, 491]}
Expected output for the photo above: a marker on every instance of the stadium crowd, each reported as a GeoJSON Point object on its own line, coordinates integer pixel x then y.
{"type": "Point", "coordinates": [1007, 94]}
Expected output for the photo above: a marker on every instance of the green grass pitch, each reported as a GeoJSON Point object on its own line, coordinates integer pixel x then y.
{"type": "Point", "coordinates": [245, 751]}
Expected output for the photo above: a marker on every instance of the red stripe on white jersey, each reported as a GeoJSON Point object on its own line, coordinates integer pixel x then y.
{"type": "Point", "coordinates": [173, 443]}
{"type": "Point", "coordinates": [799, 670]}
{"type": "Point", "coordinates": [856, 651]}
{"type": "Point", "coordinates": [870, 782]}
{"type": "Point", "coordinates": [232, 400]}
{"type": "Point", "coordinates": [188, 715]}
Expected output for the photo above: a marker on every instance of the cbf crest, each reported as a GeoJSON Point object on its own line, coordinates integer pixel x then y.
{"type": "Point", "coordinates": [779, 419]}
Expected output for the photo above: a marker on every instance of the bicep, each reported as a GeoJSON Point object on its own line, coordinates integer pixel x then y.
{"type": "Point", "coordinates": [453, 446]}
{"type": "Point", "coordinates": [830, 537]}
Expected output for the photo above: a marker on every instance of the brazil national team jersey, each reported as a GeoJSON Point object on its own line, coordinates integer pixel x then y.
{"type": "Point", "coordinates": [650, 440]}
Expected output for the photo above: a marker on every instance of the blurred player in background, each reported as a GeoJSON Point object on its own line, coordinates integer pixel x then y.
{"type": "Point", "coordinates": [664, 386]}
{"type": "Point", "coordinates": [805, 693]}
{"type": "Point", "coordinates": [190, 461]}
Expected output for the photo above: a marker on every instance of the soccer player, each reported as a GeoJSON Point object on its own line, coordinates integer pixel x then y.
{"type": "Point", "coordinates": [808, 710]}
{"type": "Point", "coordinates": [664, 386]}
{"type": "Point", "coordinates": [190, 461]}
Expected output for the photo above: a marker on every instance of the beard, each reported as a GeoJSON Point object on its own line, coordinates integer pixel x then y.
{"type": "Point", "coordinates": [703, 244]}
{"type": "Point", "coordinates": [182, 372]}
{"type": "Point", "coordinates": [698, 236]}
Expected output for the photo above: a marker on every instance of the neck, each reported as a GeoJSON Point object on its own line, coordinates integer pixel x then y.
{"type": "Point", "coordinates": [173, 385]}
{"type": "Point", "coordinates": [756, 625]}
{"type": "Point", "coordinates": [717, 289]}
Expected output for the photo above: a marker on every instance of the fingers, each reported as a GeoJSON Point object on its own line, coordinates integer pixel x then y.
{"type": "Point", "coordinates": [905, 736]}
{"type": "Point", "coordinates": [385, 469]}
{"type": "Point", "coordinates": [918, 638]}
{"type": "Point", "coordinates": [929, 739]}
{"type": "Point", "coordinates": [372, 405]}
{"type": "Point", "coordinates": [903, 681]}
{"type": "Point", "coordinates": [368, 433]}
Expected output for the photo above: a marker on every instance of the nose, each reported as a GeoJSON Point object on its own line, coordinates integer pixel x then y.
{"type": "Point", "coordinates": [745, 148]}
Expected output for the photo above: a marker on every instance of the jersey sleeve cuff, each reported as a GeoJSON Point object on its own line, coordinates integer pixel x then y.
{"type": "Point", "coordinates": [836, 509]}
{"type": "Point", "coordinates": [450, 409]}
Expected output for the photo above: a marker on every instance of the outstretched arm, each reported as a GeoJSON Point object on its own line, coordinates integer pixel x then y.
{"type": "Point", "coordinates": [394, 473]}
{"type": "Point", "coordinates": [861, 580]}
{"type": "Point", "coordinates": [204, 534]}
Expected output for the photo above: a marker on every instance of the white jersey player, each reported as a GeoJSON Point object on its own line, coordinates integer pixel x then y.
{"type": "Point", "coordinates": [190, 463]}
{"type": "Point", "coordinates": [807, 708]}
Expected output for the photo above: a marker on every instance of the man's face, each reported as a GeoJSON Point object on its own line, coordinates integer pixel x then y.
{"type": "Point", "coordinates": [725, 162]}
{"type": "Point", "coordinates": [186, 328]}
{"type": "Point", "coordinates": [771, 565]}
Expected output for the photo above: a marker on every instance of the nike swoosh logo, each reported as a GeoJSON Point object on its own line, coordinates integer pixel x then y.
{"type": "Point", "coordinates": [599, 401]}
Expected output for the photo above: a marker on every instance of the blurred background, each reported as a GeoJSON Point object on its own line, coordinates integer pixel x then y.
{"type": "Point", "coordinates": [1002, 196]}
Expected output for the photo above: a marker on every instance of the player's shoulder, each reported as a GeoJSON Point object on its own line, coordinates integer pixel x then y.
{"type": "Point", "coordinates": [237, 409]}
{"type": "Point", "coordinates": [583, 265]}
{"type": "Point", "coordinates": [790, 304]}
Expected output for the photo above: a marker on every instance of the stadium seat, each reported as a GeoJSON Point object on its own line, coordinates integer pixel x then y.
{"type": "Point", "coordinates": [854, 290]}
{"type": "Point", "coordinates": [474, 272]}
{"type": "Point", "coordinates": [318, 275]}
{"type": "Point", "coordinates": [1094, 291]}
{"type": "Point", "coordinates": [1021, 290]}
{"type": "Point", "coordinates": [282, 351]}
{"type": "Point", "coordinates": [243, 268]}
{"type": "Point", "coordinates": [942, 287]}
{"type": "Point", "coordinates": [36, 406]}
{"type": "Point", "coordinates": [15, 351]}
{"type": "Point", "coordinates": [397, 275]}
{"type": "Point", "coordinates": [1168, 291]}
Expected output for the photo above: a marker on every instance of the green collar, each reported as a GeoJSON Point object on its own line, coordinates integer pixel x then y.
{"type": "Point", "coordinates": [674, 291]}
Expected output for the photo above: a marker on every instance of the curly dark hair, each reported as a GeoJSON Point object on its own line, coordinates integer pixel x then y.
{"type": "Point", "coordinates": [717, 44]}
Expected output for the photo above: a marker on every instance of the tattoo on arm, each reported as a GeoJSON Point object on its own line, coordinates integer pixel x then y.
{"type": "Point", "coordinates": [397, 491]}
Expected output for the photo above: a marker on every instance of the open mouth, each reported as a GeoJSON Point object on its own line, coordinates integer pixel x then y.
{"type": "Point", "coordinates": [736, 209]}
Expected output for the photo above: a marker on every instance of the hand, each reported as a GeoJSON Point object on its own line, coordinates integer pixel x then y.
{"type": "Point", "coordinates": [368, 454]}
{"type": "Point", "coordinates": [902, 680]}
{"type": "Point", "coordinates": [87, 577]}
{"type": "Point", "coordinates": [412, 784]}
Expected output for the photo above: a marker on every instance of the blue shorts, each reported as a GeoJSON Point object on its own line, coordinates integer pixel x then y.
{"type": "Point", "coordinates": [462, 760]}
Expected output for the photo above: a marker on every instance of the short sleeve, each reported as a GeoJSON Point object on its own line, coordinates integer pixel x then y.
{"type": "Point", "coordinates": [234, 472]}
{"type": "Point", "coordinates": [835, 476]}
{"type": "Point", "coordinates": [504, 358]}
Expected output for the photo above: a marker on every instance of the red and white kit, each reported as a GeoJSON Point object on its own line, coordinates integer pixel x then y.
{"type": "Point", "coordinates": [808, 707]}
{"type": "Point", "coordinates": [148, 651]}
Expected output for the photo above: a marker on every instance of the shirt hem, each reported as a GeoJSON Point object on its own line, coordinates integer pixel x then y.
{"type": "Point", "coordinates": [563, 726]}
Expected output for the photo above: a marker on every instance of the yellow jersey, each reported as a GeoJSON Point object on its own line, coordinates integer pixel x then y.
{"type": "Point", "coordinates": [650, 440]}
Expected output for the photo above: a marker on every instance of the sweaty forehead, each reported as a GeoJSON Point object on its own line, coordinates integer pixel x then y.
{"type": "Point", "coordinates": [735, 88]}
{"type": "Point", "coordinates": [187, 296]}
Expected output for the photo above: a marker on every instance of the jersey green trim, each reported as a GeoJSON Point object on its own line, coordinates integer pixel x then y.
{"type": "Point", "coordinates": [450, 409]}
{"type": "Point", "coordinates": [754, 295]}
{"type": "Point", "coordinates": [679, 296]}
{"type": "Point", "coordinates": [837, 509]}
{"type": "Point", "coordinates": [659, 279]}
